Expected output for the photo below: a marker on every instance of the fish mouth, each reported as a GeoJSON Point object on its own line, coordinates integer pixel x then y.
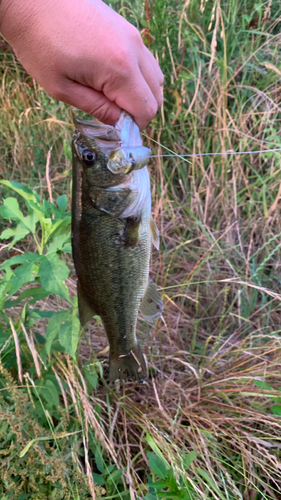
{"type": "Point", "coordinates": [121, 143]}
{"type": "Point", "coordinates": [105, 137]}
{"type": "Point", "coordinates": [94, 129]}
{"type": "Point", "coordinates": [125, 133]}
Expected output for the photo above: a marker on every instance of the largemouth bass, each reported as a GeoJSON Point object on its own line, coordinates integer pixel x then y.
{"type": "Point", "coordinates": [112, 230]}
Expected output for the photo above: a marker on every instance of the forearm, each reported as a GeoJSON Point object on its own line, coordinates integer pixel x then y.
{"type": "Point", "coordinates": [14, 14]}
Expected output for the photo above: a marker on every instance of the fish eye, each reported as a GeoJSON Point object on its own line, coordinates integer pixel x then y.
{"type": "Point", "coordinates": [89, 157]}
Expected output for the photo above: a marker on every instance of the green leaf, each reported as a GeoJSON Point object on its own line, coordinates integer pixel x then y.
{"type": "Point", "coordinates": [260, 384]}
{"type": "Point", "coordinates": [91, 375]}
{"type": "Point", "coordinates": [22, 190]}
{"type": "Point", "coordinates": [4, 337]}
{"type": "Point", "coordinates": [69, 332]}
{"type": "Point", "coordinates": [36, 293]}
{"type": "Point", "coordinates": [160, 485]}
{"type": "Point", "coordinates": [30, 221]}
{"type": "Point", "coordinates": [209, 480]}
{"type": "Point", "coordinates": [53, 328]}
{"type": "Point", "coordinates": [67, 150]}
{"type": "Point", "coordinates": [276, 410]}
{"type": "Point", "coordinates": [150, 496]}
{"type": "Point", "coordinates": [173, 485]}
{"type": "Point", "coordinates": [110, 468]}
{"type": "Point", "coordinates": [99, 459]}
{"type": "Point", "coordinates": [47, 207]}
{"type": "Point", "coordinates": [22, 275]}
{"type": "Point", "coordinates": [23, 496]}
{"type": "Point", "coordinates": [187, 494]}
{"type": "Point", "coordinates": [37, 314]}
{"type": "Point", "coordinates": [50, 394]}
{"type": "Point", "coordinates": [58, 242]}
{"type": "Point", "coordinates": [62, 203]}
{"type": "Point", "coordinates": [39, 210]}
{"type": "Point", "coordinates": [98, 479]}
{"type": "Point", "coordinates": [258, 6]}
{"type": "Point", "coordinates": [20, 259]}
{"type": "Point", "coordinates": [45, 438]}
{"type": "Point", "coordinates": [115, 476]}
{"type": "Point", "coordinates": [67, 248]}
{"type": "Point", "coordinates": [189, 458]}
{"type": "Point", "coordinates": [10, 210]}
{"type": "Point", "coordinates": [171, 496]}
{"type": "Point", "coordinates": [28, 446]}
{"type": "Point", "coordinates": [157, 465]}
{"type": "Point", "coordinates": [17, 233]}
{"type": "Point", "coordinates": [46, 222]}
{"type": "Point", "coordinates": [53, 272]}
{"type": "Point", "coordinates": [4, 288]}
{"type": "Point", "coordinates": [156, 449]}
{"type": "Point", "coordinates": [57, 227]}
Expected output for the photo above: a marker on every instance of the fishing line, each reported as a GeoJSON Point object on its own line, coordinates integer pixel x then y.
{"type": "Point", "coordinates": [218, 154]}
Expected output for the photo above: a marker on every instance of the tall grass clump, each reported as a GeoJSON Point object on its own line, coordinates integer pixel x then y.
{"type": "Point", "coordinates": [206, 424]}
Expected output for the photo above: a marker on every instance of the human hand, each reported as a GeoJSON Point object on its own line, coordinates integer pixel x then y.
{"type": "Point", "coordinates": [85, 54]}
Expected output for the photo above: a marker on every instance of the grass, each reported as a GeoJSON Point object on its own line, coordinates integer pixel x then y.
{"type": "Point", "coordinates": [207, 424]}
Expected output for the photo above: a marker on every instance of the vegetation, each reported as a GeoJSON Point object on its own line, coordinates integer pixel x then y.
{"type": "Point", "coordinates": [206, 425]}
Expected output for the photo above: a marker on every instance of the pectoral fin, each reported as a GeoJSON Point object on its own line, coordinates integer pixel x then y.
{"type": "Point", "coordinates": [131, 232]}
{"type": "Point", "coordinates": [151, 304]}
{"type": "Point", "coordinates": [86, 312]}
{"type": "Point", "coordinates": [154, 233]}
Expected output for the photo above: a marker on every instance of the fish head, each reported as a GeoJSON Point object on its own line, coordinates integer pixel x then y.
{"type": "Point", "coordinates": [108, 154]}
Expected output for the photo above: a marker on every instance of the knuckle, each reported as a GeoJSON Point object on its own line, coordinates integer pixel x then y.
{"type": "Point", "coordinates": [160, 100]}
{"type": "Point", "coordinates": [136, 36]}
{"type": "Point", "coordinates": [124, 60]}
{"type": "Point", "coordinates": [101, 111]}
{"type": "Point", "coordinates": [152, 109]}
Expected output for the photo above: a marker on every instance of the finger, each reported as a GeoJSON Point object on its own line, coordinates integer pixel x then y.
{"type": "Point", "coordinates": [154, 65]}
{"type": "Point", "coordinates": [89, 100]}
{"type": "Point", "coordinates": [152, 80]}
{"type": "Point", "coordinates": [136, 97]}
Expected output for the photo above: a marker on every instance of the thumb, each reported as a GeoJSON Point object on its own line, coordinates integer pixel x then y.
{"type": "Point", "coordinates": [89, 100]}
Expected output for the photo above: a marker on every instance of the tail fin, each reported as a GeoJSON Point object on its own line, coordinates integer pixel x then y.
{"type": "Point", "coordinates": [128, 366]}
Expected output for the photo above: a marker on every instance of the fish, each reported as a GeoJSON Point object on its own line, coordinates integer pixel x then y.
{"type": "Point", "coordinates": [112, 235]}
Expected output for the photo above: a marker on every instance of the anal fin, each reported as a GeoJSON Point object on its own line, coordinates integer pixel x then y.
{"type": "Point", "coordinates": [86, 312]}
{"type": "Point", "coordinates": [151, 304]}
